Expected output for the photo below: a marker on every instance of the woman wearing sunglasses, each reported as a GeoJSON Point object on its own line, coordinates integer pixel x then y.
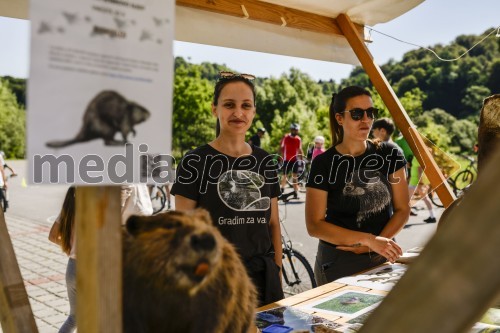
{"type": "Point", "coordinates": [238, 184]}
{"type": "Point", "coordinates": [357, 197]}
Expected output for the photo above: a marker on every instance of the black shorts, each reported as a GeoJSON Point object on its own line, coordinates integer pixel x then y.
{"type": "Point", "coordinates": [294, 167]}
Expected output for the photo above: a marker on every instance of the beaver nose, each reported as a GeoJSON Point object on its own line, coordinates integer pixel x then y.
{"type": "Point", "coordinates": [203, 241]}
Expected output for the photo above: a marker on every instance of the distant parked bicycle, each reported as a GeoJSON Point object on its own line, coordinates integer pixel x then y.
{"type": "Point", "coordinates": [159, 197]}
{"type": "Point", "coordinates": [459, 182]}
{"type": "Point", "coordinates": [297, 273]}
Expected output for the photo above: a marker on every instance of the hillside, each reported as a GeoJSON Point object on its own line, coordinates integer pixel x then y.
{"type": "Point", "coordinates": [442, 98]}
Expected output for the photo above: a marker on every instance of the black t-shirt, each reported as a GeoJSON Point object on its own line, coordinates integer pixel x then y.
{"type": "Point", "coordinates": [255, 140]}
{"type": "Point", "coordinates": [236, 191]}
{"type": "Point", "coordinates": [359, 192]}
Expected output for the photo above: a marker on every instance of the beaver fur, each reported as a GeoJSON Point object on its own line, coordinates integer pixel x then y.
{"type": "Point", "coordinates": [107, 113]}
{"type": "Point", "coordinates": [181, 275]}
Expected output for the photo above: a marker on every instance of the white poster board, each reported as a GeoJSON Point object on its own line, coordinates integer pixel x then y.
{"type": "Point", "coordinates": [101, 76]}
{"type": "Point", "coordinates": [384, 277]}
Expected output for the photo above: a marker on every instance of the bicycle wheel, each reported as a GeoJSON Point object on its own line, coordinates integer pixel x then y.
{"type": "Point", "coordinates": [435, 200]}
{"type": "Point", "coordinates": [158, 199]}
{"type": "Point", "coordinates": [297, 273]}
{"type": "Point", "coordinates": [463, 179]}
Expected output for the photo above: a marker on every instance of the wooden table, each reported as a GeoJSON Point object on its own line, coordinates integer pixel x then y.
{"type": "Point", "coordinates": [317, 294]}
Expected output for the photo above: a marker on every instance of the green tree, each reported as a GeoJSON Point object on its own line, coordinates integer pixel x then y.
{"type": "Point", "coordinates": [193, 123]}
{"type": "Point", "coordinates": [493, 82]}
{"type": "Point", "coordinates": [464, 135]}
{"type": "Point", "coordinates": [473, 99]}
{"type": "Point", "coordinates": [12, 123]}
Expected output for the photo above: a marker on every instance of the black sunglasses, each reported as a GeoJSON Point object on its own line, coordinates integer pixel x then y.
{"type": "Point", "coordinates": [224, 75]}
{"type": "Point", "coordinates": [358, 113]}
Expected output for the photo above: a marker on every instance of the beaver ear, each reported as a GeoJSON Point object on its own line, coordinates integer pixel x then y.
{"type": "Point", "coordinates": [203, 215]}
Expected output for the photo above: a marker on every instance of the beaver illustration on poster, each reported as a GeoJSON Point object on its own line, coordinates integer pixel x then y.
{"type": "Point", "coordinates": [107, 113]}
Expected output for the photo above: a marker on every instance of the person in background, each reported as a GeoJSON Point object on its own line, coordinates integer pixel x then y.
{"type": "Point", "coordinates": [4, 164]}
{"type": "Point", "coordinates": [318, 148]}
{"type": "Point", "coordinates": [135, 200]}
{"type": "Point", "coordinates": [407, 152]}
{"type": "Point", "coordinates": [3, 180]}
{"type": "Point", "coordinates": [357, 194]}
{"type": "Point", "coordinates": [236, 181]}
{"type": "Point", "coordinates": [419, 185]}
{"type": "Point", "coordinates": [255, 139]}
{"type": "Point", "coordinates": [3, 188]}
{"type": "Point", "coordinates": [292, 153]}
{"type": "Point", "coordinates": [382, 129]}
{"type": "Point", "coordinates": [62, 233]}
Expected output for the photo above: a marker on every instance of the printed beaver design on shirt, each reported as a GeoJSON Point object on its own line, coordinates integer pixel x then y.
{"type": "Point", "coordinates": [240, 190]}
{"type": "Point", "coordinates": [180, 275]}
{"type": "Point", "coordinates": [372, 191]}
{"type": "Point", "coordinates": [107, 114]}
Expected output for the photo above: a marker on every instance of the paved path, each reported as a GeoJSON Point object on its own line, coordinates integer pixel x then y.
{"type": "Point", "coordinates": [43, 266]}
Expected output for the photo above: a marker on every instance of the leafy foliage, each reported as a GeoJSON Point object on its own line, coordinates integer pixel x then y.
{"type": "Point", "coordinates": [12, 123]}
{"type": "Point", "coordinates": [442, 98]}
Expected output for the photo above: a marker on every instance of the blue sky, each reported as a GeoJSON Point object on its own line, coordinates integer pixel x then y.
{"type": "Point", "coordinates": [434, 21]}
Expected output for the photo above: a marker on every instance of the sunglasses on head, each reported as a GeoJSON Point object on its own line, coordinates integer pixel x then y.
{"type": "Point", "coordinates": [358, 113]}
{"type": "Point", "coordinates": [229, 75]}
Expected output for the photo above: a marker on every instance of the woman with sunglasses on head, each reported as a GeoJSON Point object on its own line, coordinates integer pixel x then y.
{"type": "Point", "coordinates": [357, 197]}
{"type": "Point", "coordinates": [238, 184]}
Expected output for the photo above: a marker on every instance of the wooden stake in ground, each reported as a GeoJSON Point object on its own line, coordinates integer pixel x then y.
{"type": "Point", "coordinates": [16, 315]}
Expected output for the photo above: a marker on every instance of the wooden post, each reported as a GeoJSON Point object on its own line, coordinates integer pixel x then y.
{"type": "Point", "coordinates": [99, 259]}
{"type": "Point", "coordinates": [457, 276]}
{"type": "Point", "coordinates": [15, 310]}
{"type": "Point", "coordinates": [401, 119]}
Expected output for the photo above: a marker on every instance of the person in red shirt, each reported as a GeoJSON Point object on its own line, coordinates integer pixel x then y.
{"type": "Point", "coordinates": [291, 150]}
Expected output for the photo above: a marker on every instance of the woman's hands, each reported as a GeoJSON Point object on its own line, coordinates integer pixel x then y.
{"type": "Point", "coordinates": [385, 247]}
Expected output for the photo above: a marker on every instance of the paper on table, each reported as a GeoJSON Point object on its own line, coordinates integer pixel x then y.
{"type": "Point", "coordinates": [380, 278]}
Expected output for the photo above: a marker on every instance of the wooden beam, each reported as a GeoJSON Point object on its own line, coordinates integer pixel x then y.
{"type": "Point", "coordinates": [99, 253]}
{"type": "Point", "coordinates": [15, 309]}
{"type": "Point", "coordinates": [456, 277]}
{"type": "Point", "coordinates": [401, 119]}
{"type": "Point", "coordinates": [271, 13]}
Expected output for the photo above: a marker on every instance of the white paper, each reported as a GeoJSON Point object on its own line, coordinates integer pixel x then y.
{"type": "Point", "coordinates": [112, 62]}
{"type": "Point", "coordinates": [380, 278]}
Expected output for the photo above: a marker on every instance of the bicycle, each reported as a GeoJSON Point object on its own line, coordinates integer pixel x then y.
{"type": "Point", "coordinates": [297, 273]}
{"type": "Point", "coordinates": [458, 183]}
{"type": "Point", "coordinates": [158, 198]}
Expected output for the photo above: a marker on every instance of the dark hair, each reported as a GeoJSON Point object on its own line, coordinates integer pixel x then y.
{"type": "Point", "coordinates": [67, 220]}
{"type": "Point", "coordinates": [221, 83]}
{"type": "Point", "coordinates": [386, 124]}
{"type": "Point", "coordinates": [338, 105]}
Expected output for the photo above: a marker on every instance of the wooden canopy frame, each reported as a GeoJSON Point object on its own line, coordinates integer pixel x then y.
{"type": "Point", "coordinates": [98, 222]}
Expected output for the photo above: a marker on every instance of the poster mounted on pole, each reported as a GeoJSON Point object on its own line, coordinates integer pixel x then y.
{"type": "Point", "coordinates": [100, 90]}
